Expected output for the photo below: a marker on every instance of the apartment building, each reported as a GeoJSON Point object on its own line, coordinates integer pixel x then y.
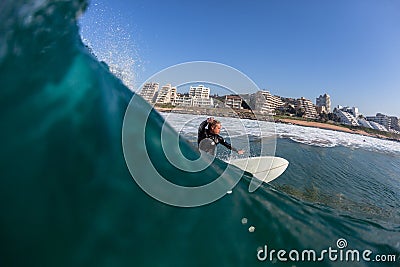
{"type": "Point", "coordinates": [394, 123]}
{"type": "Point", "coordinates": [166, 95]}
{"type": "Point", "coordinates": [149, 91]}
{"type": "Point", "coordinates": [183, 100]}
{"type": "Point", "coordinates": [345, 116]}
{"type": "Point", "coordinates": [324, 102]}
{"type": "Point", "coordinates": [263, 101]}
{"type": "Point", "coordinates": [307, 106]}
{"type": "Point", "coordinates": [199, 91]}
{"type": "Point", "coordinates": [233, 101]}
{"type": "Point", "coordinates": [382, 119]}
{"type": "Point", "coordinates": [202, 102]}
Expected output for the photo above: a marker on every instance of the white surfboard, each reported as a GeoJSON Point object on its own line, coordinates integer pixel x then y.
{"type": "Point", "coordinates": [265, 169]}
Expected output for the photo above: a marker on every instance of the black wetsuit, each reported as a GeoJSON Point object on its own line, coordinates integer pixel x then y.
{"type": "Point", "coordinates": [208, 141]}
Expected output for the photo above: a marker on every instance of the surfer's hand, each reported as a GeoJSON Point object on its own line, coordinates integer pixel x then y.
{"type": "Point", "coordinates": [209, 120]}
{"type": "Point", "coordinates": [240, 152]}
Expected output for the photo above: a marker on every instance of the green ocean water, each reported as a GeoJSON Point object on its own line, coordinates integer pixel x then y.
{"type": "Point", "coordinates": [68, 199]}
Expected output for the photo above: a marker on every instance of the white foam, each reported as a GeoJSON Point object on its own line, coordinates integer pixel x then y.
{"type": "Point", "coordinates": [329, 138]}
{"type": "Point", "coordinates": [305, 135]}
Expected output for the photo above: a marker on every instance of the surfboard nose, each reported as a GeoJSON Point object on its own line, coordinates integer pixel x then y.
{"type": "Point", "coordinates": [264, 169]}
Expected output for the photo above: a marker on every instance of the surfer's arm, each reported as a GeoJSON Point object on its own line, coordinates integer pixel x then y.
{"type": "Point", "coordinates": [201, 134]}
{"type": "Point", "coordinates": [229, 146]}
{"type": "Point", "coordinates": [226, 144]}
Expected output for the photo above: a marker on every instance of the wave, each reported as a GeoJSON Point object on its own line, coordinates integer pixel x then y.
{"type": "Point", "coordinates": [300, 134]}
{"type": "Point", "coordinates": [68, 198]}
{"type": "Point", "coordinates": [329, 138]}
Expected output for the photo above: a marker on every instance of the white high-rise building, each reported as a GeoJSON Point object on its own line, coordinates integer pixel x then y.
{"type": "Point", "coordinates": [345, 115]}
{"type": "Point", "coordinates": [149, 92]}
{"type": "Point", "coordinates": [263, 102]}
{"type": "Point", "coordinates": [233, 101]}
{"type": "Point", "coordinates": [199, 96]}
{"type": "Point", "coordinates": [183, 100]}
{"type": "Point", "coordinates": [324, 101]}
{"type": "Point", "coordinates": [351, 116]}
{"type": "Point", "coordinates": [382, 119]}
{"type": "Point", "coordinates": [273, 101]}
{"type": "Point", "coordinates": [199, 91]}
{"type": "Point", "coordinates": [166, 95]}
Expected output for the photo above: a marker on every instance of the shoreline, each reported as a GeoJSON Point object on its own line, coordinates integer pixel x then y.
{"type": "Point", "coordinates": [242, 114]}
{"type": "Point", "coordinates": [331, 127]}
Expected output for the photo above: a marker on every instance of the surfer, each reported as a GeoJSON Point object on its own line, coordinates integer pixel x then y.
{"type": "Point", "coordinates": [208, 137]}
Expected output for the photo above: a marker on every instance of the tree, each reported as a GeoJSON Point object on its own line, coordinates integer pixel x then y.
{"type": "Point", "coordinates": [323, 117]}
{"type": "Point", "coordinates": [333, 117]}
{"type": "Point", "coordinates": [300, 112]}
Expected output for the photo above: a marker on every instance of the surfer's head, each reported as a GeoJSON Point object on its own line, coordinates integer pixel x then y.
{"type": "Point", "coordinates": [215, 126]}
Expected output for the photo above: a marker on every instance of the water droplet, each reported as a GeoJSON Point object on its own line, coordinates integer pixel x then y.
{"type": "Point", "coordinates": [244, 220]}
{"type": "Point", "coordinates": [229, 192]}
{"type": "Point", "coordinates": [252, 229]}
